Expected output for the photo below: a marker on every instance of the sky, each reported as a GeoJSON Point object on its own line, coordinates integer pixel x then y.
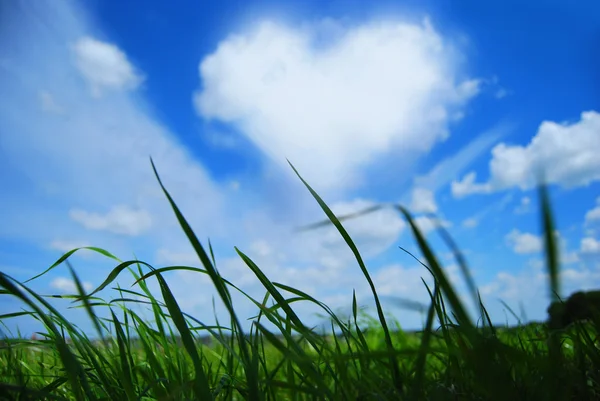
{"type": "Point", "coordinates": [452, 110]}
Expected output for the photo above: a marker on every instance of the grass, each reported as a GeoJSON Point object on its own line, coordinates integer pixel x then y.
{"type": "Point", "coordinates": [177, 357]}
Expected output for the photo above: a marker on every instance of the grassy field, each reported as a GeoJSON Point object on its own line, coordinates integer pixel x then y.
{"type": "Point", "coordinates": [176, 357]}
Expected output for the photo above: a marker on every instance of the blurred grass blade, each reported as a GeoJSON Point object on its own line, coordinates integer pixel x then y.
{"type": "Point", "coordinates": [460, 259]}
{"type": "Point", "coordinates": [86, 302]}
{"type": "Point", "coordinates": [551, 253]}
{"type": "Point", "coordinates": [324, 223]}
{"type": "Point", "coordinates": [550, 242]}
{"type": "Point", "coordinates": [440, 276]}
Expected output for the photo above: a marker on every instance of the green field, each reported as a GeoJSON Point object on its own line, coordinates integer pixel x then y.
{"type": "Point", "coordinates": [176, 357]}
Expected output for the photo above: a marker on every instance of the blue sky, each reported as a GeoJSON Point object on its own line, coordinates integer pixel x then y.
{"type": "Point", "coordinates": [446, 109]}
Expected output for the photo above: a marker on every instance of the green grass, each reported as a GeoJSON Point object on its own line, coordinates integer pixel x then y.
{"type": "Point", "coordinates": [361, 358]}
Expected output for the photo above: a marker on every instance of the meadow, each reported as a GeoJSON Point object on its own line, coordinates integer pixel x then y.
{"type": "Point", "coordinates": [177, 357]}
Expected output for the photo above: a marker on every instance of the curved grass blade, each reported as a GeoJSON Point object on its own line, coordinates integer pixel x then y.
{"type": "Point", "coordinates": [388, 338]}
{"type": "Point", "coordinates": [326, 222]}
{"type": "Point", "coordinates": [304, 296]}
{"type": "Point", "coordinates": [251, 370]}
{"type": "Point", "coordinates": [66, 255]}
{"type": "Point", "coordinates": [126, 364]}
{"type": "Point", "coordinates": [201, 384]}
{"type": "Point", "coordinates": [272, 290]}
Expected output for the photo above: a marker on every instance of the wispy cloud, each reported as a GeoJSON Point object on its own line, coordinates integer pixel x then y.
{"type": "Point", "coordinates": [524, 243]}
{"type": "Point", "coordinates": [449, 168]}
{"type": "Point", "coordinates": [104, 66]}
{"type": "Point", "coordinates": [590, 245]}
{"type": "Point", "coordinates": [48, 103]}
{"type": "Point", "coordinates": [496, 207]}
{"type": "Point", "coordinates": [120, 219]}
{"type": "Point", "coordinates": [68, 286]}
{"type": "Point", "coordinates": [66, 246]}
{"type": "Point", "coordinates": [423, 201]}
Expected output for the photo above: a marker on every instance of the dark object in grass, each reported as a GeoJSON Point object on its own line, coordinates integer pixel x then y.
{"type": "Point", "coordinates": [579, 306]}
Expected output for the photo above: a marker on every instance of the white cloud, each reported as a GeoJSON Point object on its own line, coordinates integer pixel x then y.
{"type": "Point", "coordinates": [531, 285]}
{"type": "Point", "coordinates": [565, 153]}
{"type": "Point", "coordinates": [527, 243]}
{"type": "Point", "coordinates": [120, 219]}
{"type": "Point", "coordinates": [593, 215]}
{"type": "Point", "coordinates": [48, 103]}
{"type": "Point", "coordinates": [372, 90]}
{"type": "Point", "coordinates": [590, 245]}
{"type": "Point", "coordinates": [423, 201]}
{"type": "Point", "coordinates": [373, 233]}
{"type": "Point", "coordinates": [396, 280]}
{"type": "Point", "coordinates": [67, 285]}
{"type": "Point", "coordinates": [501, 93]}
{"type": "Point", "coordinates": [570, 257]}
{"type": "Point", "coordinates": [470, 222]}
{"type": "Point", "coordinates": [104, 66]}
{"type": "Point", "coordinates": [66, 246]}
{"type": "Point", "coordinates": [166, 256]}
{"type": "Point", "coordinates": [261, 247]}
{"type": "Point", "coordinates": [496, 208]}
{"type": "Point", "coordinates": [427, 224]}
{"type": "Point", "coordinates": [523, 205]}
{"type": "Point", "coordinates": [467, 186]}
{"type": "Point", "coordinates": [221, 139]}
{"type": "Point", "coordinates": [234, 185]}
{"type": "Point", "coordinates": [524, 243]}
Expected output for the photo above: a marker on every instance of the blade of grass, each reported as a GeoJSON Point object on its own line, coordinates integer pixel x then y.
{"type": "Point", "coordinates": [74, 370]}
{"type": "Point", "coordinates": [126, 378]}
{"type": "Point", "coordinates": [551, 254]}
{"type": "Point", "coordinates": [417, 385]}
{"type": "Point", "coordinates": [66, 255]}
{"type": "Point", "coordinates": [388, 339]}
{"type": "Point", "coordinates": [250, 370]}
{"type": "Point", "coordinates": [460, 259]}
{"type": "Point", "coordinates": [86, 302]}
{"type": "Point", "coordinates": [201, 384]}
{"type": "Point", "coordinates": [295, 353]}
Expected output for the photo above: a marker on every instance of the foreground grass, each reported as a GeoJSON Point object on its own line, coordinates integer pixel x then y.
{"type": "Point", "coordinates": [450, 359]}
